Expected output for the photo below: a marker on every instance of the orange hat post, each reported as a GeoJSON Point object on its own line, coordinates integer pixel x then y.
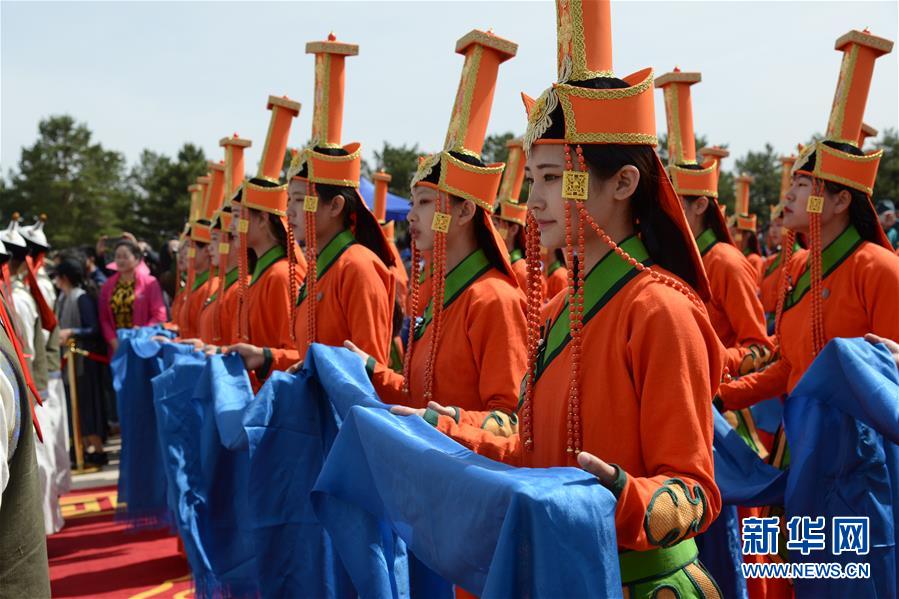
{"type": "Point", "coordinates": [212, 200]}
{"type": "Point", "coordinates": [265, 193]}
{"type": "Point", "coordinates": [688, 177]}
{"type": "Point", "coordinates": [786, 178]}
{"type": "Point", "coordinates": [484, 52]}
{"type": "Point", "coordinates": [866, 132]}
{"type": "Point", "coordinates": [823, 163]}
{"type": "Point", "coordinates": [745, 220]}
{"type": "Point", "coordinates": [381, 181]}
{"type": "Point", "coordinates": [197, 197]}
{"type": "Point", "coordinates": [509, 209]}
{"type": "Point", "coordinates": [233, 178]}
{"type": "Point", "coordinates": [716, 153]}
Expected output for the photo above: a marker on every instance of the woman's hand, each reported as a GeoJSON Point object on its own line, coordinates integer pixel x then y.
{"type": "Point", "coordinates": [433, 405]}
{"type": "Point", "coordinates": [353, 348]}
{"type": "Point", "coordinates": [598, 468]}
{"type": "Point", "coordinates": [160, 338]}
{"type": "Point", "coordinates": [295, 368]}
{"type": "Point", "coordinates": [891, 345]}
{"type": "Point", "coordinates": [253, 356]}
{"type": "Point", "coordinates": [64, 335]}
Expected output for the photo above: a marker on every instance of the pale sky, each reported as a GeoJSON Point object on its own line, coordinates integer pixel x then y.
{"type": "Point", "coordinates": [158, 74]}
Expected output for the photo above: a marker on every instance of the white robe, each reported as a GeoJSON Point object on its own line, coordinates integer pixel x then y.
{"type": "Point", "coordinates": [47, 415]}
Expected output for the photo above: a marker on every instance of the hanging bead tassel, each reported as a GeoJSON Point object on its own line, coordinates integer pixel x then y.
{"type": "Point", "coordinates": [438, 286]}
{"type": "Point", "coordinates": [310, 206]}
{"type": "Point", "coordinates": [407, 359]}
{"type": "Point", "coordinates": [534, 305]}
{"type": "Point", "coordinates": [243, 325]}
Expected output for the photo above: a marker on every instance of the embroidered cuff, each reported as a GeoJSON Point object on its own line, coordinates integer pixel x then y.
{"type": "Point", "coordinates": [370, 366]}
{"type": "Point", "coordinates": [263, 371]}
{"type": "Point", "coordinates": [617, 485]}
{"type": "Point", "coordinates": [431, 417]}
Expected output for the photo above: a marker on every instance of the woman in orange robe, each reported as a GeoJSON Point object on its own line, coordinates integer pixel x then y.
{"type": "Point", "coordinates": [468, 349]}
{"type": "Point", "coordinates": [598, 379]}
{"type": "Point", "coordinates": [847, 283]}
{"type": "Point", "coordinates": [351, 293]}
{"type": "Point", "coordinates": [266, 301]}
{"type": "Point", "coordinates": [734, 308]}
{"type": "Point", "coordinates": [199, 291]}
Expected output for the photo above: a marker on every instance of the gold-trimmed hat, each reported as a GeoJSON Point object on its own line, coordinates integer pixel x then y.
{"type": "Point", "coordinates": [327, 120]}
{"type": "Point", "coordinates": [381, 180]}
{"type": "Point", "coordinates": [265, 192]}
{"type": "Point", "coordinates": [234, 175]}
{"type": "Point", "coordinates": [215, 193]}
{"type": "Point", "coordinates": [745, 221]}
{"type": "Point", "coordinates": [860, 51]}
{"type": "Point", "coordinates": [508, 208]}
{"type": "Point", "coordinates": [484, 52]}
{"type": "Point", "coordinates": [681, 140]}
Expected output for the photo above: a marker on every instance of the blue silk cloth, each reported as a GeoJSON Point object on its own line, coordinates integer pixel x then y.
{"type": "Point", "coordinates": [494, 530]}
{"type": "Point", "coordinates": [289, 429]}
{"type": "Point", "coordinates": [207, 480]}
{"type": "Point", "coordinates": [842, 426]}
{"type": "Point", "coordinates": [142, 482]}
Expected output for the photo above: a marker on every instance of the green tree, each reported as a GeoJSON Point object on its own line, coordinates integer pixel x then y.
{"type": "Point", "coordinates": [78, 184]}
{"type": "Point", "coordinates": [764, 167]}
{"type": "Point", "coordinates": [400, 162]}
{"type": "Point", "coordinates": [159, 200]}
{"type": "Point", "coordinates": [495, 149]}
{"type": "Point", "coordinates": [887, 184]}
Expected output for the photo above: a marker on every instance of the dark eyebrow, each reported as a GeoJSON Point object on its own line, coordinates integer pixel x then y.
{"type": "Point", "coordinates": [543, 166]}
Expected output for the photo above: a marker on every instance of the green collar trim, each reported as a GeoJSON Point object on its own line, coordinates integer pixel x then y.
{"type": "Point", "coordinates": [515, 255]}
{"type": "Point", "coordinates": [706, 240]}
{"type": "Point", "coordinates": [457, 280]}
{"type": "Point", "coordinates": [200, 279]}
{"type": "Point", "coordinates": [328, 256]}
{"type": "Point", "coordinates": [776, 262]}
{"type": "Point", "coordinates": [274, 253]}
{"type": "Point", "coordinates": [556, 265]}
{"type": "Point", "coordinates": [831, 257]}
{"type": "Point", "coordinates": [608, 277]}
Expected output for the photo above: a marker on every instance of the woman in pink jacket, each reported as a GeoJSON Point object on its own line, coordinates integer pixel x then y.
{"type": "Point", "coordinates": [130, 298]}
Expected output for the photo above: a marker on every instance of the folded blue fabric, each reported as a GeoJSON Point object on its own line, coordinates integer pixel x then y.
{"type": "Point", "coordinates": [209, 481]}
{"type": "Point", "coordinates": [141, 486]}
{"type": "Point", "coordinates": [841, 424]}
{"type": "Point", "coordinates": [742, 477]}
{"type": "Point", "coordinates": [289, 428]}
{"type": "Point", "coordinates": [495, 530]}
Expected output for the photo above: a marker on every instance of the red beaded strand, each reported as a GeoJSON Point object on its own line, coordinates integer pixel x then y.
{"type": "Point", "coordinates": [243, 268]}
{"type": "Point", "coordinates": [311, 272]}
{"type": "Point", "coordinates": [534, 305]}
{"type": "Point", "coordinates": [407, 359]}
{"type": "Point", "coordinates": [292, 269]}
{"type": "Point", "coordinates": [438, 285]}
{"type": "Point", "coordinates": [814, 256]}
{"type": "Point", "coordinates": [217, 307]}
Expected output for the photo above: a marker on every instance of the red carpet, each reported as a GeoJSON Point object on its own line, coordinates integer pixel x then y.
{"type": "Point", "coordinates": [93, 556]}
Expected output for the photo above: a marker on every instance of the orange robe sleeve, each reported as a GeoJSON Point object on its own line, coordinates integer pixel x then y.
{"type": "Point", "coordinates": [498, 337]}
{"type": "Point", "coordinates": [734, 289]}
{"type": "Point", "coordinates": [483, 442]}
{"type": "Point", "coordinates": [751, 389]}
{"type": "Point", "coordinates": [677, 498]}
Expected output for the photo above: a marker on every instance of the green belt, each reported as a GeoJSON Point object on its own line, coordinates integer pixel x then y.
{"type": "Point", "coordinates": [637, 566]}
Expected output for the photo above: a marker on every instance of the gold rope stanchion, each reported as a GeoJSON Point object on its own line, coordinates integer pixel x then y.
{"type": "Point", "coordinates": [76, 415]}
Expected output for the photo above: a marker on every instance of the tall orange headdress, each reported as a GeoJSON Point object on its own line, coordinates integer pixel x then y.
{"type": "Point", "coordinates": [324, 162]}
{"type": "Point", "coordinates": [509, 208]}
{"type": "Point", "coordinates": [689, 177]}
{"type": "Point", "coordinates": [592, 111]}
{"type": "Point", "coordinates": [265, 192]}
{"type": "Point", "coordinates": [233, 179]}
{"type": "Point", "coordinates": [210, 203]}
{"type": "Point", "coordinates": [745, 220]}
{"type": "Point", "coordinates": [786, 177]}
{"type": "Point", "coordinates": [381, 181]}
{"type": "Point", "coordinates": [825, 163]}
{"type": "Point", "coordinates": [458, 171]}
